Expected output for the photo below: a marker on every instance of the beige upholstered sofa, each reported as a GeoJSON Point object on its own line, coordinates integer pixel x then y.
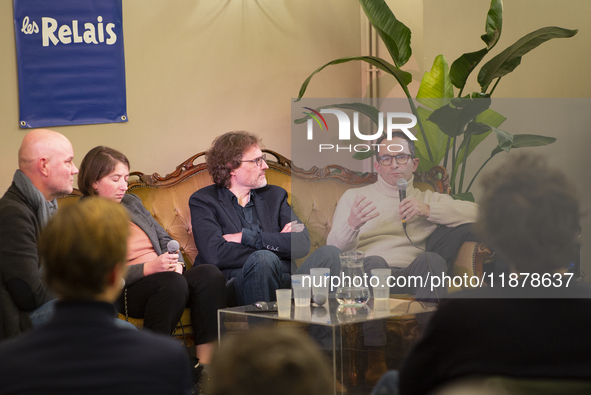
{"type": "Point", "coordinates": [318, 191]}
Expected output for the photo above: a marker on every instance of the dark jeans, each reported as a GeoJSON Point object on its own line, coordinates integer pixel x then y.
{"type": "Point", "coordinates": [207, 294]}
{"type": "Point", "coordinates": [261, 274]}
{"type": "Point", "coordinates": [446, 241]}
{"type": "Point", "coordinates": [159, 299]}
{"type": "Point", "coordinates": [426, 265]}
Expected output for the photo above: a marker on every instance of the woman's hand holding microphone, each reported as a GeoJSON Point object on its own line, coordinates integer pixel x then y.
{"type": "Point", "coordinates": [166, 262]}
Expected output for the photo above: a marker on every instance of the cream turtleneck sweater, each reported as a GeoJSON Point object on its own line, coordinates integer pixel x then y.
{"type": "Point", "coordinates": [384, 235]}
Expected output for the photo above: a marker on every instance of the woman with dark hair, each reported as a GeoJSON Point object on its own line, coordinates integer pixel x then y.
{"type": "Point", "coordinates": [157, 286]}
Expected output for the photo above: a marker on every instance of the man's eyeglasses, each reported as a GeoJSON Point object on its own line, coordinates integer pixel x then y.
{"type": "Point", "coordinates": [258, 161]}
{"type": "Point", "coordinates": [386, 160]}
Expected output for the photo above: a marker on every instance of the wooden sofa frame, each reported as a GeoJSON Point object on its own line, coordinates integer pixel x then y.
{"type": "Point", "coordinates": [315, 209]}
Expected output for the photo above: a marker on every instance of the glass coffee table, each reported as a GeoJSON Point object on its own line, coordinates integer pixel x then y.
{"type": "Point", "coordinates": [340, 332]}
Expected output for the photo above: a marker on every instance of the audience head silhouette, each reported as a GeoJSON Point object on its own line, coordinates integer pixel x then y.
{"type": "Point", "coordinates": [530, 214]}
{"type": "Point", "coordinates": [269, 361]}
{"type": "Point", "coordinates": [84, 249]}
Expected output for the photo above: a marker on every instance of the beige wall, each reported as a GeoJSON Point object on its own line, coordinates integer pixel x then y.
{"type": "Point", "coordinates": [452, 27]}
{"type": "Point", "coordinates": [555, 69]}
{"type": "Point", "coordinates": [197, 69]}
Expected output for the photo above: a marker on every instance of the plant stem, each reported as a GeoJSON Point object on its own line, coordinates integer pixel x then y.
{"type": "Point", "coordinates": [416, 114]}
{"type": "Point", "coordinates": [478, 172]}
{"type": "Point", "coordinates": [466, 148]}
{"type": "Point", "coordinates": [446, 152]}
{"type": "Point", "coordinates": [495, 86]}
{"type": "Point", "coordinates": [453, 166]}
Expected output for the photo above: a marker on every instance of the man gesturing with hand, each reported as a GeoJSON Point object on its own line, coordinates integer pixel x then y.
{"type": "Point", "coordinates": [370, 219]}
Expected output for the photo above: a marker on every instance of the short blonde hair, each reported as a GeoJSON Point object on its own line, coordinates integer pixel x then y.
{"type": "Point", "coordinates": [81, 245]}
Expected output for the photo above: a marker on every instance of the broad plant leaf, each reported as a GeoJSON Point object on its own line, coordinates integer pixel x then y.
{"type": "Point", "coordinates": [474, 129]}
{"type": "Point", "coordinates": [464, 65]}
{"type": "Point", "coordinates": [370, 111]}
{"type": "Point", "coordinates": [491, 117]}
{"type": "Point", "coordinates": [436, 88]}
{"type": "Point", "coordinates": [510, 58]}
{"type": "Point", "coordinates": [504, 140]}
{"type": "Point", "coordinates": [364, 155]}
{"type": "Point", "coordinates": [519, 141]}
{"type": "Point", "coordinates": [494, 24]}
{"type": "Point", "coordinates": [525, 140]}
{"type": "Point", "coordinates": [394, 34]}
{"type": "Point", "coordinates": [453, 118]}
{"type": "Point", "coordinates": [402, 77]}
{"type": "Point", "coordinates": [437, 142]}
{"type": "Point", "coordinates": [488, 117]}
{"type": "Point", "coordinates": [425, 164]}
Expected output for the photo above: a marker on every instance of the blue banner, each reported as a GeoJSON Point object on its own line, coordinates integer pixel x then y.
{"type": "Point", "coordinates": [71, 62]}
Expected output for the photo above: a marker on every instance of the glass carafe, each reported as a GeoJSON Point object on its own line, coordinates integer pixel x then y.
{"type": "Point", "coordinates": [352, 290]}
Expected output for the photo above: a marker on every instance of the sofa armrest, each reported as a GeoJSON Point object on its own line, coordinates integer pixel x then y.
{"type": "Point", "coordinates": [470, 260]}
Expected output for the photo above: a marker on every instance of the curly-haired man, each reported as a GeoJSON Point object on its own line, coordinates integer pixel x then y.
{"type": "Point", "coordinates": [246, 227]}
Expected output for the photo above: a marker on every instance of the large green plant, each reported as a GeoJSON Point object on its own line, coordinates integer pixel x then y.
{"type": "Point", "coordinates": [450, 126]}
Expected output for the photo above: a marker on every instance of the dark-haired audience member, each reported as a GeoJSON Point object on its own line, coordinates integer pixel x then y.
{"type": "Point", "coordinates": [246, 227]}
{"type": "Point", "coordinates": [45, 171]}
{"type": "Point", "coordinates": [270, 361]}
{"type": "Point", "coordinates": [81, 350]}
{"type": "Point", "coordinates": [157, 288]}
{"type": "Point", "coordinates": [534, 327]}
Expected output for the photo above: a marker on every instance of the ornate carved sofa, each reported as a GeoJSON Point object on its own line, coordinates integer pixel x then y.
{"type": "Point", "coordinates": [317, 193]}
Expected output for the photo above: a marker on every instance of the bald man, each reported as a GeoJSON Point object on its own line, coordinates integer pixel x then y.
{"type": "Point", "coordinates": [45, 172]}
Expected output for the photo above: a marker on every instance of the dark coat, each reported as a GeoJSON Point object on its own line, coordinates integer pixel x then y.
{"type": "Point", "coordinates": [21, 286]}
{"type": "Point", "coordinates": [520, 332]}
{"type": "Point", "coordinates": [82, 351]}
{"type": "Point", "coordinates": [214, 215]}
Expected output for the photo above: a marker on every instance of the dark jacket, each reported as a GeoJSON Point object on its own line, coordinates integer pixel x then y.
{"type": "Point", "coordinates": [214, 215]}
{"type": "Point", "coordinates": [21, 286]}
{"type": "Point", "coordinates": [520, 332]}
{"type": "Point", "coordinates": [82, 351]}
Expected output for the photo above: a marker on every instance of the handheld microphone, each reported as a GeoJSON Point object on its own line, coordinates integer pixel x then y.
{"type": "Point", "coordinates": [401, 184]}
{"type": "Point", "coordinates": [173, 246]}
